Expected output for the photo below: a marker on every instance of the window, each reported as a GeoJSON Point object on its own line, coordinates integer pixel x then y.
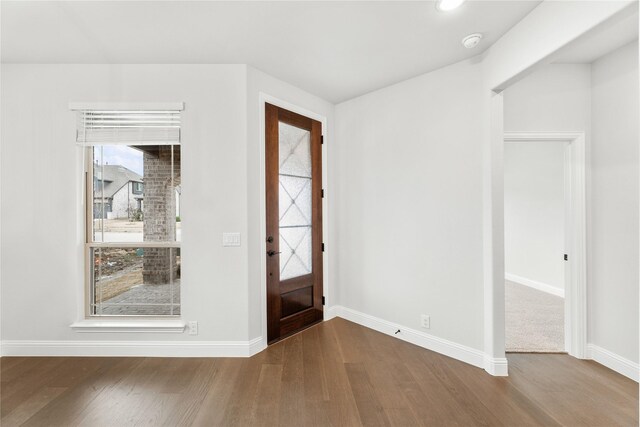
{"type": "Point", "coordinates": [137, 188]}
{"type": "Point", "coordinates": [132, 236]}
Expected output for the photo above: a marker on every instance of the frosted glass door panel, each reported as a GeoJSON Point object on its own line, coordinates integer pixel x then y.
{"type": "Point", "coordinates": [295, 201]}
{"type": "Point", "coordinates": [295, 150]}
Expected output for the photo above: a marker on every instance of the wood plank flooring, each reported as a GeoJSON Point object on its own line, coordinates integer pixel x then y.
{"type": "Point", "coordinates": [336, 373]}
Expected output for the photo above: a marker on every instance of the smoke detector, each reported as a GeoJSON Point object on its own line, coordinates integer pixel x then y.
{"type": "Point", "coordinates": [471, 40]}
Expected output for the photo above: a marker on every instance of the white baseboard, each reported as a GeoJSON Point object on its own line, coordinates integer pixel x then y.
{"type": "Point", "coordinates": [498, 367]}
{"type": "Point", "coordinates": [535, 285]}
{"type": "Point", "coordinates": [614, 362]}
{"type": "Point", "coordinates": [439, 345]}
{"type": "Point", "coordinates": [134, 348]}
{"type": "Point", "coordinates": [494, 366]}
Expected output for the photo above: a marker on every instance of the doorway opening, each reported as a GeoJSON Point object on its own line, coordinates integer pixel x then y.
{"type": "Point", "coordinates": [534, 229]}
{"type": "Point", "coordinates": [545, 232]}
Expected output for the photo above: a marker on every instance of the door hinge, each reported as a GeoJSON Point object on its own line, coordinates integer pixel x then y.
{"type": "Point", "coordinates": [322, 193]}
{"type": "Point", "coordinates": [321, 139]}
{"type": "Point", "coordinates": [566, 257]}
{"type": "Point", "coordinates": [322, 299]}
{"type": "Point", "coordinates": [323, 247]}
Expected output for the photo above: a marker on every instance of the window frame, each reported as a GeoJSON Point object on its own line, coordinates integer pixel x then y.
{"type": "Point", "coordinates": [137, 187]}
{"type": "Point", "coordinates": [90, 245]}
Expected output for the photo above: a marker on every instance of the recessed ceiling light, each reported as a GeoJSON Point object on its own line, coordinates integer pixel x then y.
{"type": "Point", "coordinates": [446, 5]}
{"type": "Point", "coordinates": [471, 40]}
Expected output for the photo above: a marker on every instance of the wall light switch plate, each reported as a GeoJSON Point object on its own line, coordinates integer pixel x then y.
{"type": "Point", "coordinates": [230, 239]}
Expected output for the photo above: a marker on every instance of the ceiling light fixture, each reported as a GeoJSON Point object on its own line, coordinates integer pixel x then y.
{"type": "Point", "coordinates": [471, 40]}
{"type": "Point", "coordinates": [447, 5]}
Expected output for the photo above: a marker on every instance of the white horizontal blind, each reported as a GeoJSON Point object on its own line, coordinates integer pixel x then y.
{"type": "Point", "coordinates": [132, 127]}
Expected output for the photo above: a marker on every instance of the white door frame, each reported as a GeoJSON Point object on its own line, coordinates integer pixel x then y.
{"type": "Point", "coordinates": [575, 233]}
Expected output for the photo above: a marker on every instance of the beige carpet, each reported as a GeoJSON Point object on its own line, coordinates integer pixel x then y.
{"type": "Point", "coordinates": [534, 320]}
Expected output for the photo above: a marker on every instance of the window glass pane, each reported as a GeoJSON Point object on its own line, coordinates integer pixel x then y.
{"type": "Point", "coordinates": [136, 193]}
{"type": "Point", "coordinates": [135, 281]}
{"type": "Point", "coordinates": [295, 201]}
{"type": "Point", "coordinates": [295, 247]}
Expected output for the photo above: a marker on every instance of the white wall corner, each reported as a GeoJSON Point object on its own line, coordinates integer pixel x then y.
{"type": "Point", "coordinates": [544, 287]}
{"type": "Point", "coordinates": [257, 345]}
{"type": "Point", "coordinates": [614, 362]}
{"type": "Point", "coordinates": [498, 367]}
{"type": "Point", "coordinates": [448, 348]}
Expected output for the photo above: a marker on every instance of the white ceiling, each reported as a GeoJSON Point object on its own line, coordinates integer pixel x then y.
{"type": "Point", "coordinates": [336, 50]}
{"type": "Point", "coordinates": [605, 38]}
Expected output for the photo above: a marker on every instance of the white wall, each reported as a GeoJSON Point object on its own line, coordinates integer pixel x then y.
{"type": "Point", "coordinates": [409, 163]}
{"type": "Point", "coordinates": [221, 287]}
{"type": "Point", "coordinates": [398, 272]}
{"type": "Point", "coordinates": [410, 190]}
{"type": "Point", "coordinates": [613, 272]}
{"type": "Point", "coordinates": [41, 240]}
{"type": "Point", "coordinates": [534, 212]}
{"type": "Point", "coordinates": [554, 98]}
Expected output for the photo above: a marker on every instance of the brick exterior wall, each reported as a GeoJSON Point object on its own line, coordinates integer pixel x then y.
{"type": "Point", "coordinates": [159, 223]}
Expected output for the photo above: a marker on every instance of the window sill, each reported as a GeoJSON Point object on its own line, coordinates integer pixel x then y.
{"type": "Point", "coordinates": [90, 325]}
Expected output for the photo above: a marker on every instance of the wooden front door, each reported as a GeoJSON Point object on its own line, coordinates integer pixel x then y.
{"type": "Point", "coordinates": [294, 221]}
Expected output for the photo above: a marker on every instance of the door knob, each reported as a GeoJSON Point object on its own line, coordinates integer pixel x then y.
{"type": "Point", "coordinates": [272, 253]}
{"type": "Point", "coordinates": [270, 239]}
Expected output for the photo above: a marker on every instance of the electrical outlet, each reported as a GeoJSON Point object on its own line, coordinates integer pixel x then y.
{"type": "Point", "coordinates": [425, 321]}
{"type": "Point", "coordinates": [193, 327]}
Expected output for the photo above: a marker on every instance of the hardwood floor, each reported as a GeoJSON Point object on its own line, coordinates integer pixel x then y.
{"type": "Point", "coordinates": [336, 373]}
